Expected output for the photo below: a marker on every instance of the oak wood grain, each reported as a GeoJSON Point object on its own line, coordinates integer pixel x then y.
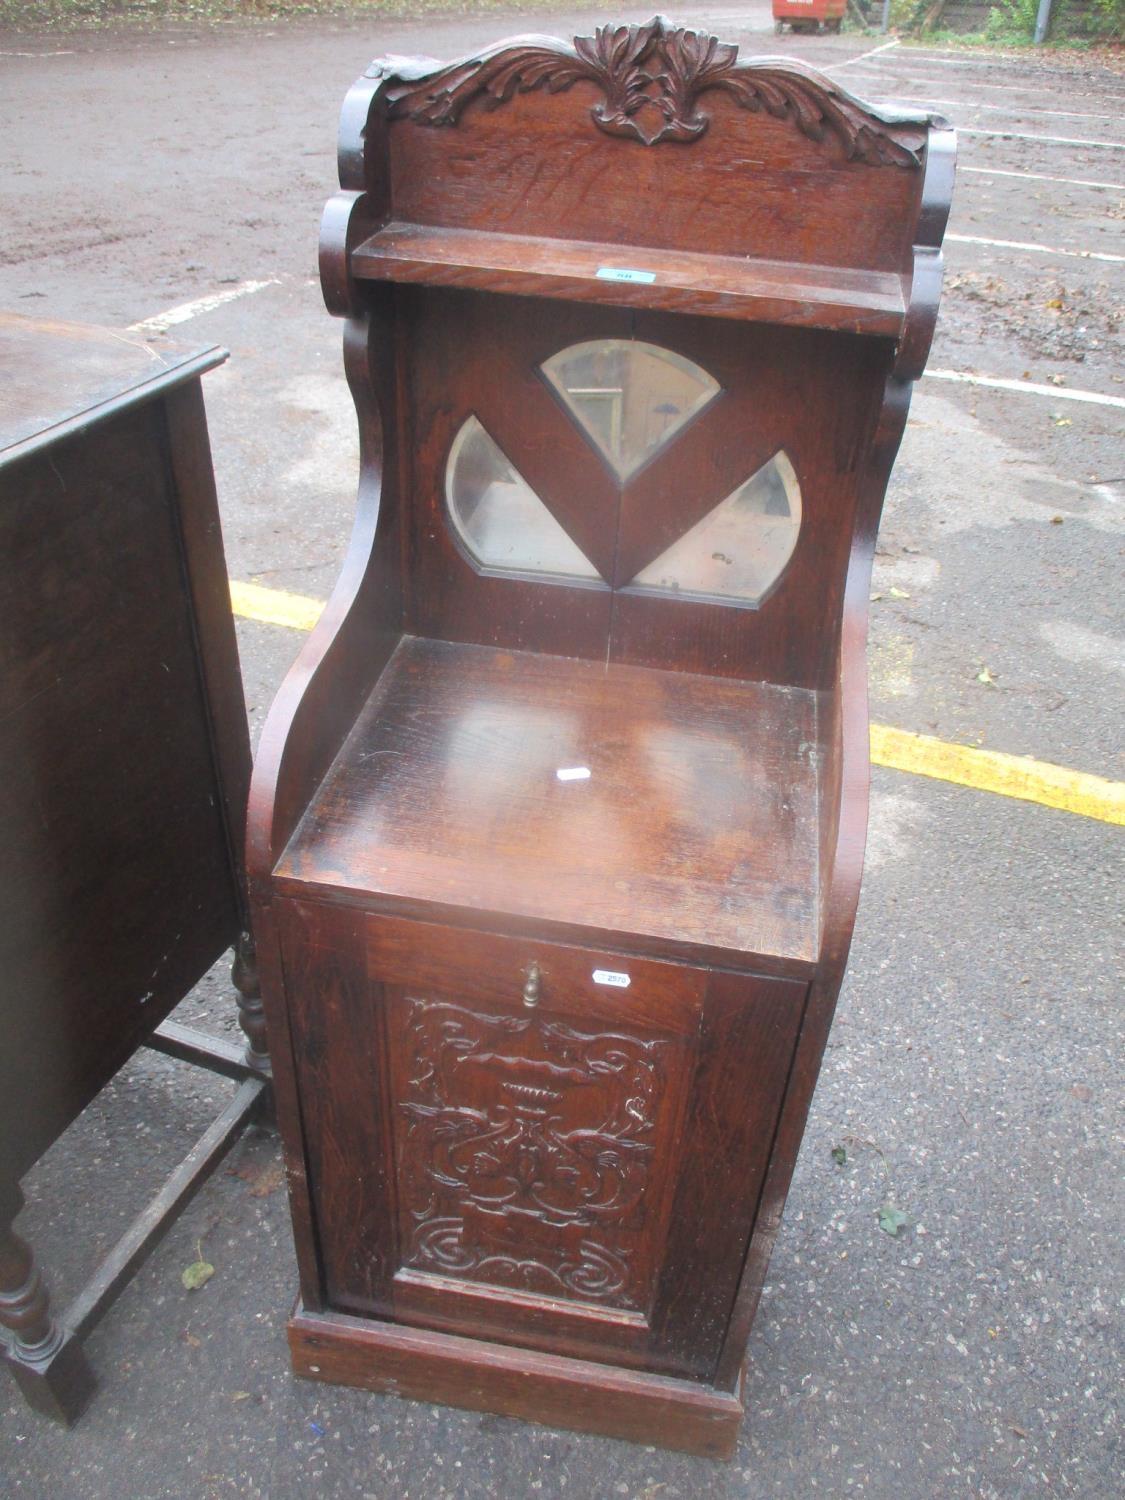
{"type": "Point", "coordinates": [472, 1373]}
{"type": "Point", "coordinates": [697, 822]}
{"type": "Point", "coordinates": [468, 1115]}
{"type": "Point", "coordinates": [721, 286]}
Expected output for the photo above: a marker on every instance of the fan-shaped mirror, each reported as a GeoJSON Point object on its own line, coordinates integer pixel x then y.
{"type": "Point", "coordinates": [739, 549]}
{"type": "Point", "coordinates": [630, 398]}
{"type": "Point", "coordinates": [501, 522]}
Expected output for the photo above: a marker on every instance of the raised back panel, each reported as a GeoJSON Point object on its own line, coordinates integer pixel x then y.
{"type": "Point", "coordinates": [658, 137]}
{"type": "Point", "coordinates": [810, 397]}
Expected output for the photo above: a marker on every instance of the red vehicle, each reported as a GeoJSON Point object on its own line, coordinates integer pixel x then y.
{"type": "Point", "coordinates": [808, 16]}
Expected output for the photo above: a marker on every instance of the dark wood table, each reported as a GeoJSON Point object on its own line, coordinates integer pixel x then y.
{"type": "Point", "coordinates": [125, 757]}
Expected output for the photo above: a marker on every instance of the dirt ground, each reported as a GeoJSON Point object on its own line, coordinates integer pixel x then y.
{"type": "Point", "coordinates": [972, 1072]}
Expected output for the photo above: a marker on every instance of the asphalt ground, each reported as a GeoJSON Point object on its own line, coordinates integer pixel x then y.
{"type": "Point", "coordinates": [973, 1076]}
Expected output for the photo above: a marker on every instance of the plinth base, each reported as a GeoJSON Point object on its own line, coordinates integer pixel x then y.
{"type": "Point", "coordinates": [548, 1388]}
{"type": "Point", "coordinates": [59, 1385]}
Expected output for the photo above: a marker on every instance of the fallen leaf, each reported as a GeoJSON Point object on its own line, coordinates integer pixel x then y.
{"type": "Point", "coordinates": [839, 1155]}
{"type": "Point", "coordinates": [985, 676]}
{"type": "Point", "coordinates": [191, 1341]}
{"type": "Point", "coordinates": [1063, 422]}
{"type": "Point", "coordinates": [268, 1181]}
{"type": "Point", "coordinates": [1056, 520]}
{"type": "Point", "coordinates": [875, 598]}
{"type": "Point", "coordinates": [240, 1396]}
{"type": "Point", "coordinates": [1055, 302]}
{"type": "Point", "coordinates": [198, 1274]}
{"type": "Point", "coordinates": [897, 593]}
{"type": "Point", "coordinates": [892, 1220]}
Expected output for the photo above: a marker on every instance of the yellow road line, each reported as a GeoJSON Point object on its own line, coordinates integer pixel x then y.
{"type": "Point", "coordinates": [921, 754]}
{"type": "Point", "coordinates": [993, 771]}
{"type": "Point", "coordinates": [273, 607]}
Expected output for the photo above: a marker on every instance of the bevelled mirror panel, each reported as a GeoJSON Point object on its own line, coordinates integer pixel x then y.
{"type": "Point", "coordinates": [501, 521]}
{"type": "Point", "coordinates": [629, 397]}
{"type": "Point", "coordinates": [739, 549]}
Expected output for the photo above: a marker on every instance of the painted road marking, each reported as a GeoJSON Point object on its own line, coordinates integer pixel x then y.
{"type": "Point", "coordinates": [188, 310]}
{"type": "Point", "coordinates": [1116, 187]}
{"type": "Point", "coordinates": [882, 77]}
{"type": "Point", "coordinates": [887, 84]}
{"type": "Point", "coordinates": [851, 61]}
{"type": "Point", "coordinates": [993, 771]}
{"type": "Point", "coordinates": [909, 56]}
{"type": "Point", "coordinates": [1025, 387]}
{"type": "Point", "coordinates": [1048, 140]}
{"type": "Point", "coordinates": [976, 239]}
{"type": "Point", "coordinates": [273, 606]}
{"type": "Point", "coordinates": [1004, 109]}
{"type": "Point", "coordinates": [965, 765]}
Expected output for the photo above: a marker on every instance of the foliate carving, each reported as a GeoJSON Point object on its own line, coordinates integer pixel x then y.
{"type": "Point", "coordinates": [527, 1150]}
{"type": "Point", "coordinates": [592, 1272]}
{"type": "Point", "coordinates": [652, 77]}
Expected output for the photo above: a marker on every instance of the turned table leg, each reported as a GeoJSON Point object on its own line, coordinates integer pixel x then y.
{"type": "Point", "coordinates": [251, 1015]}
{"type": "Point", "coordinates": [48, 1363]}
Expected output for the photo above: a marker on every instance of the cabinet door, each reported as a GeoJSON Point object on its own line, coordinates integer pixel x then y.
{"type": "Point", "coordinates": [529, 1142]}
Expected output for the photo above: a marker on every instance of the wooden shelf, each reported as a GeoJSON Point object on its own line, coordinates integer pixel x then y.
{"type": "Point", "coordinates": [723, 286]}
{"type": "Point", "coordinates": [695, 825]}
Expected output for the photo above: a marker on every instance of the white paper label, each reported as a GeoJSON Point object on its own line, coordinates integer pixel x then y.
{"type": "Point", "coordinates": [625, 273]}
{"type": "Point", "coordinates": [610, 976]}
{"type": "Point", "coordinates": [573, 773]}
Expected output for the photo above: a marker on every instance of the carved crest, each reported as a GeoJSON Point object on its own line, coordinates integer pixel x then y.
{"type": "Point", "coordinates": [652, 77]}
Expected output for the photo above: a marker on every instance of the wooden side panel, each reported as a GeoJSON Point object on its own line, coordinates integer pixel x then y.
{"type": "Point", "coordinates": [114, 860]}
{"type": "Point", "coordinates": [341, 1084]}
{"type": "Point", "coordinates": [745, 1051]}
{"type": "Point", "coordinates": [206, 579]}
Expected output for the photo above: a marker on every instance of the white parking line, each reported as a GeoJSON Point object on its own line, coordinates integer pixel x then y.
{"type": "Point", "coordinates": [881, 74]}
{"type": "Point", "coordinates": [909, 56]}
{"type": "Point", "coordinates": [1026, 387]}
{"type": "Point", "coordinates": [851, 61]}
{"type": "Point", "coordinates": [1115, 187]}
{"type": "Point", "coordinates": [1005, 109]}
{"type": "Point", "coordinates": [975, 239]}
{"type": "Point", "coordinates": [160, 322]}
{"type": "Point", "coordinates": [1050, 140]}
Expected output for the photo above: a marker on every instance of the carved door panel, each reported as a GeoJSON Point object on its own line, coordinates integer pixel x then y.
{"type": "Point", "coordinates": [526, 1147]}
{"type": "Point", "coordinates": [535, 1143]}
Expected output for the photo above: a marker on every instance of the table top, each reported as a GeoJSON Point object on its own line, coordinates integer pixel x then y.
{"type": "Point", "coordinates": [57, 377]}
